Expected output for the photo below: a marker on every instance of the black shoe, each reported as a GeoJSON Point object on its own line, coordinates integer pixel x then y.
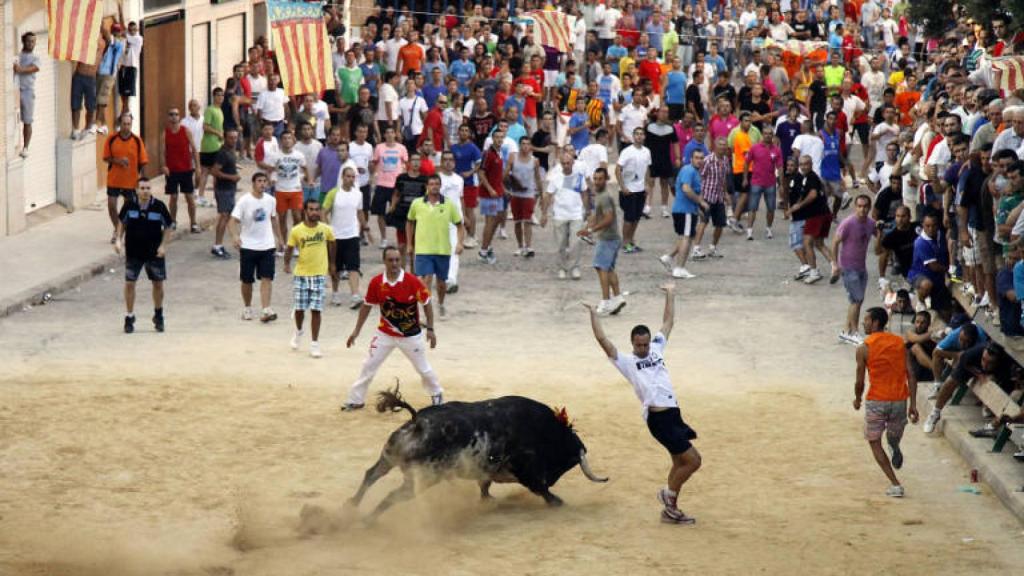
{"type": "Point", "coordinates": [897, 457]}
{"type": "Point", "coordinates": [158, 322]}
{"type": "Point", "coordinates": [220, 253]}
{"type": "Point", "coordinates": [350, 407]}
{"type": "Point", "coordinates": [984, 432]}
{"type": "Point", "coordinates": [129, 324]}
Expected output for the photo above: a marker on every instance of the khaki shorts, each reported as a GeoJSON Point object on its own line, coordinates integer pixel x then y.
{"type": "Point", "coordinates": [881, 416]}
{"type": "Point", "coordinates": [833, 188]}
{"type": "Point", "coordinates": [104, 87]}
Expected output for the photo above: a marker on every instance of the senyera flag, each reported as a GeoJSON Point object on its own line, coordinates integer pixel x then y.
{"type": "Point", "coordinates": [551, 28]}
{"type": "Point", "coordinates": [303, 50]}
{"type": "Point", "coordinates": [1008, 73]}
{"type": "Point", "coordinates": [74, 29]}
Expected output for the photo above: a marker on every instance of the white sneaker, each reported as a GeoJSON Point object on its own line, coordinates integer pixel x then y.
{"type": "Point", "coordinates": [883, 284]}
{"type": "Point", "coordinates": [666, 261]}
{"type": "Point", "coordinates": [933, 389]}
{"type": "Point", "coordinates": [931, 421]}
{"type": "Point", "coordinates": [894, 491]}
{"type": "Point", "coordinates": [335, 299]}
{"type": "Point", "coordinates": [92, 129]}
{"type": "Point", "coordinates": [469, 242]}
{"type": "Point", "coordinates": [314, 349]}
{"type": "Point", "coordinates": [768, 234]}
{"type": "Point", "coordinates": [697, 254]}
{"type": "Point", "coordinates": [518, 252]}
{"type": "Point", "coordinates": [750, 234]}
{"type": "Point", "coordinates": [295, 339]}
{"type": "Point", "coordinates": [561, 274]}
{"type": "Point", "coordinates": [355, 301]}
{"type": "Point", "coordinates": [603, 308]}
{"type": "Point", "coordinates": [803, 272]}
{"type": "Point", "coordinates": [647, 210]}
{"type": "Point", "coordinates": [502, 234]}
{"type": "Point", "coordinates": [812, 276]}
{"type": "Point", "coordinates": [76, 134]}
{"type": "Point", "coordinates": [247, 313]}
{"type": "Point", "coordinates": [714, 253]}
{"type": "Point", "coordinates": [665, 213]}
{"type": "Point", "coordinates": [984, 303]}
{"type": "Point", "coordinates": [616, 304]}
{"type": "Point", "coordinates": [575, 273]}
{"type": "Point", "coordinates": [102, 129]}
{"type": "Point", "coordinates": [682, 273]}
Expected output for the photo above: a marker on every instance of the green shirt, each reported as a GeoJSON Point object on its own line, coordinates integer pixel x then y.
{"type": "Point", "coordinates": [432, 222]}
{"type": "Point", "coordinates": [213, 116]}
{"type": "Point", "coordinates": [349, 80]}
{"type": "Point", "coordinates": [605, 204]}
{"type": "Point", "coordinates": [834, 76]}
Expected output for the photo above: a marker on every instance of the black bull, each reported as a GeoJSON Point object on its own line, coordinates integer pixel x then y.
{"type": "Point", "coordinates": [508, 439]}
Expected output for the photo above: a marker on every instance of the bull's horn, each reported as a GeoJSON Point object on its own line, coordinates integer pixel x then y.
{"type": "Point", "coordinates": [585, 466]}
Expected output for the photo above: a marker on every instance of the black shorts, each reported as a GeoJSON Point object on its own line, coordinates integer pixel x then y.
{"type": "Point", "coordinates": [128, 193]}
{"type": "Point", "coordinates": [632, 205]}
{"type": "Point", "coordinates": [207, 159]}
{"type": "Point", "coordinates": [366, 197]}
{"type": "Point", "coordinates": [715, 214]}
{"type": "Point", "coordinates": [126, 80]}
{"type": "Point", "coordinates": [670, 431]}
{"type": "Point", "coordinates": [346, 255]}
{"type": "Point", "coordinates": [863, 131]}
{"type": "Point", "coordinates": [662, 168]}
{"type": "Point", "coordinates": [253, 264]}
{"type": "Point", "coordinates": [381, 198]}
{"type": "Point", "coordinates": [156, 269]}
{"type": "Point", "coordinates": [684, 224]}
{"type": "Point", "coordinates": [183, 182]}
{"type": "Point", "coordinates": [676, 112]}
{"type": "Point", "coordinates": [737, 185]}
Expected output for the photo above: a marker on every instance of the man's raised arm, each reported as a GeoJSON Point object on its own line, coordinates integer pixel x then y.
{"type": "Point", "coordinates": [669, 317]}
{"type": "Point", "coordinates": [602, 340]}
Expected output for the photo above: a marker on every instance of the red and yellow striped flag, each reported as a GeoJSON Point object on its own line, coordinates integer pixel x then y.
{"type": "Point", "coordinates": [552, 29]}
{"type": "Point", "coordinates": [303, 50]}
{"type": "Point", "coordinates": [74, 29]}
{"type": "Point", "coordinates": [1008, 73]}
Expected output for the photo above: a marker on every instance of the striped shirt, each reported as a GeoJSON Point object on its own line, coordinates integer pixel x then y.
{"type": "Point", "coordinates": [712, 179]}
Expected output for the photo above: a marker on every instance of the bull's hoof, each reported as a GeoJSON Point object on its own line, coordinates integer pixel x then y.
{"type": "Point", "coordinates": [552, 500]}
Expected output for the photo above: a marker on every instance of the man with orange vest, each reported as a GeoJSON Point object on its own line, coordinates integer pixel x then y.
{"type": "Point", "coordinates": [884, 357]}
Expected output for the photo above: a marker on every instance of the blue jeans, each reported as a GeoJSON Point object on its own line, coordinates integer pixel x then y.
{"type": "Point", "coordinates": [756, 192]}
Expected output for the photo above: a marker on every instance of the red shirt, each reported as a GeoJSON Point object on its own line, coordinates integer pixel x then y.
{"type": "Point", "coordinates": [433, 126]}
{"type": "Point", "coordinates": [493, 169]}
{"type": "Point", "coordinates": [861, 92]}
{"type": "Point", "coordinates": [399, 303]}
{"type": "Point", "coordinates": [651, 70]}
{"type": "Point", "coordinates": [177, 152]}
{"type": "Point", "coordinates": [530, 110]}
{"type": "Point", "coordinates": [499, 99]}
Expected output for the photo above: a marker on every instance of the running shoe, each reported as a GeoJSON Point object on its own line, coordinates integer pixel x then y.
{"type": "Point", "coordinates": [803, 272]}
{"type": "Point", "coordinates": [768, 234]}
{"type": "Point", "coordinates": [665, 213]}
{"type": "Point", "coordinates": [697, 254]}
{"type": "Point", "coordinates": [491, 258]}
{"type": "Point", "coordinates": [575, 273]}
{"type": "Point", "coordinates": [646, 213]}
{"type": "Point", "coordinates": [616, 304]}
{"type": "Point", "coordinates": [351, 407]}
{"type": "Point", "coordinates": [247, 314]}
{"type": "Point", "coordinates": [846, 200]}
{"type": "Point", "coordinates": [666, 261]}
{"type": "Point", "coordinates": [482, 255]}
{"type": "Point", "coordinates": [895, 491]}
{"type": "Point", "coordinates": [268, 315]}
{"type": "Point", "coordinates": [682, 273]}
{"type": "Point", "coordinates": [931, 421]}
{"type": "Point", "coordinates": [355, 301]}
{"type": "Point", "coordinates": [528, 252]}
{"type": "Point", "coordinates": [296, 339]}
{"type": "Point", "coordinates": [676, 517]}
{"type": "Point", "coordinates": [314, 349]}
{"type": "Point", "coordinates": [335, 299]}
{"type": "Point", "coordinates": [602, 308]}
{"type": "Point", "coordinates": [220, 252]}
{"type": "Point", "coordinates": [812, 276]}
{"type": "Point", "coordinates": [129, 324]}
{"type": "Point", "coordinates": [469, 242]}
{"type": "Point", "coordinates": [195, 229]}
{"type": "Point", "coordinates": [502, 234]}
{"type": "Point", "coordinates": [714, 253]}
{"type": "Point", "coordinates": [834, 277]}
{"type": "Point", "coordinates": [158, 322]}
{"type": "Point", "coordinates": [561, 274]}
{"type": "Point", "coordinates": [750, 234]}
{"type": "Point", "coordinates": [666, 499]}
{"type": "Point", "coordinates": [452, 287]}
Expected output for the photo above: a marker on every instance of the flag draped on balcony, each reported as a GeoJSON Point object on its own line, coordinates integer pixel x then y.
{"type": "Point", "coordinates": [552, 29]}
{"type": "Point", "coordinates": [74, 29]}
{"type": "Point", "coordinates": [303, 50]}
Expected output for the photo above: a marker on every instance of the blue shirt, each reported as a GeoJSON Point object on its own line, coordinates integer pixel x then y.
{"type": "Point", "coordinates": [111, 57]}
{"type": "Point", "coordinates": [466, 155]}
{"type": "Point", "coordinates": [431, 92]}
{"type": "Point", "coordinates": [582, 138]}
{"type": "Point", "coordinates": [616, 53]}
{"type": "Point", "coordinates": [830, 161]}
{"type": "Point", "coordinates": [1011, 321]}
{"type": "Point", "coordinates": [690, 147]}
{"type": "Point", "coordinates": [717, 61]}
{"type": "Point", "coordinates": [787, 132]}
{"type": "Point", "coordinates": [683, 204]}
{"type": "Point", "coordinates": [675, 89]}
{"type": "Point", "coordinates": [463, 71]}
{"type": "Point", "coordinates": [371, 74]}
{"type": "Point", "coordinates": [928, 250]}
{"type": "Point", "coordinates": [428, 70]}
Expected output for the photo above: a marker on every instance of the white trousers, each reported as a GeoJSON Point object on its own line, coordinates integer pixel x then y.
{"type": "Point", "coordinates": [569, 244]}
{"type": "Point", "coordinates": [414, 348]}
{"type": "Point", "coordinates": [453, 262]}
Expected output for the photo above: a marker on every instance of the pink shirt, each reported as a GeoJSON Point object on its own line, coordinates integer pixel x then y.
{"type": "Point", "coordinates": [856, 235]}
{"type": "Point", "coordinates": [720, 127]}
{"type": "Point", "coordinates": [684, 135]}
{"type": "Point", "coordinates": [391, 161]}
{"type": "Point", "coordinates": [764, 160]}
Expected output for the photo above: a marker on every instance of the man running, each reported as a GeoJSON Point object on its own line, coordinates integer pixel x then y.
{"type": "Point", "coordinates": [883, 355]}
{"type": "Point", "coordinates": [399, 296]}
{"type": "Point", "coordinates": [645, 369]}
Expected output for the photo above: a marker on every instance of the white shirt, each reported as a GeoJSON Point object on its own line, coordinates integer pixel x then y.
{"type": "Point", "coordinates": [271, 105]}
{"type": "Point", "coordinates": [885, 134]}
{"type": "Point", "coordinates": [345, 213]}
{"type": "Point", "coordinates": [875, 83]}
{"type": "Point", "coordinates": [851, 105]}
{"type": "Point", "coordinates": [810, 145]}
{"type": "Point", "coordinates": [411, 109]}
{"type": "Point", "coordinates": [579, 29]}
{"type": "Point", "coordinates": [592, 156]}
{"type": "Point", "coordinates": [631, 118]}
{"type": "Point", "coordinates": [195, 127]}
{"type": "Point", "coordinates": [289, 169]}
{"type": "Point", "coordinates": [387, 94]}
{"type": "Point", "coordinates": [258, 84]}
{"type": "Point", "coordinates": [361, 154]}
{"type": "Point", "coordinates": [634, 162]}
{"type": "Point", "coordinates": [132, 51]}
{"type": "Point", "coordinates": [310, 151]}
{"type": "Point", "coordinates": [567, 190]}
{"type": "Point", "coordinates": [392, 47]}
{"type": "Point", "coordinates": [451, 188]}
{"type": "Point", "coordinates": [940, 158]}
{"type": "Point", "coordinates": [322, 115]}
{"type": "Point", "coordinates": [255, 216]}
{"type": "Point", "coordinates": [649, 376]}
{"type": "Point", "coordinates": [889, 31]}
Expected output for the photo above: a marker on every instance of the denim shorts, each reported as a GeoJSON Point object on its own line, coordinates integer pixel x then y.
{"type": "Point", "coordinates": [605, 254]}
{"type": "Point", "coordinates": [855, 282]}
{"type": "Point", "coordinates": [756, 192]}
{"type": "Point", "coordinates": [432, 265]}
{"type": "Point", "coordinates": [796, 234]}
{"type": "Point", "coordinates": [310, 192]}
{"type": "Point", "coordinates": [491, 206]}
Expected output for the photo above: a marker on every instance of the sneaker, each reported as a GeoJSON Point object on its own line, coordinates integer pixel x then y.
{"type": "Point", "coordinates": [897, 457]}
{"type": "Point", "coordinates": [856, 338]}
{"type": "Point", "coordinates": [451, 287]}
{"type": "Point", "coordinates": [697, 254]}
{"type": "Point", "coordinates": [102, 129]}
{"type": "Point", "coordinates": [603, 308]}
{"type": "Point", "coordinates": [437, 399]}
{"type": "Point", "coordinates": [894, 491]}
{"type": "Point", "coordinates": [502, 234]}
{"type": "Point", "coordinates": [482, 255]}
{"type": "Point", "coordinates": [986, 431]}
{"type": "Point", "coordinates": [518, 252]}
{"type": "Point", "coordinates": [279, 254]}
{"type": "Point", "coordinates": [469, 242]}
{"type": "Point", "coordinates": [933, 390]}
{"type": "Point", "coordinates": [646, 212]}
{"type": "Point", "coordinates": [883, 284]}
{"type": "Point", "coordinates": [491, 258]}
{"type": "Point", "coordinates": [931, 421]}
{"type": "Point", "coordinates": [812, 276]}
{"type": "Point", "coordinates": [803, 272]}
{"type": "Point", "coordinates": [383, 244]}
{"type": "Point", "coordinates": [268, 315]}
{"type": "Point", "coordinates": [666, 261]}
{"type": "Point", "coordinates": [247, 313]}
{"type": "Point", "coordinates": [23, 153]}
{"type": "Point", "coordinates": [676, 517]}
{"type": "Point", "coordinates": [75, 134]}
{"type": "Point", "coordinates": [750, 234]}
{"type": "Point", "coordinates": [296, 339]}
{"type": "Point", "coordinates": [344, 275]}
{"type": "Point", "coordinates": [158, 322]}
{"type": "Point", "coordinates": [834, 277]}
{"type": "Point", "coordinates": [129, 324]}
{"type": "Point", "coordinates": [355, 301]}
{"type": "Point", "coordinates": [667, 500]}
{"type": "Point", "coordinates": [847, 198]}
{"type": "Point", "coordinates": [630, 249]}
{"type": "Point", "coordinates": [665, 213]}
{"type": "Point", "coordinates": [350, 407]}
{"type": "Point", "coordinates": [335, 298]}
{"type": "Point", "coordinates": [575, 273]}
{"type": "Point", "coordinates": [528, 252]}
{"type": "Point", "coordinates": [714, 253]}
{"type": "Point", "coordinates": [736, 227]}
{"type": "Point", "coordinates": [768, 234]}
{"type": "Point", "coordinates": [195, 229]}
{"type": "Point", "coordinates": [314, 349]}
{"type": "Point", "coordinates": [682, 273]}
{"type": "Point", "coordinates": [220, 252]}
{"type": "Point", "coordinates": [984, 302]}
{"type": "Point", "coordinates": [587, 239]}
{"type": "Point", "coordinates": [92, 129]}
{"type": "Point", "coordinates": [561, 274]}
{"type": "Point", "coordinates": [845, 336]}
{"type": "Point", "coordinates": [616, 304]}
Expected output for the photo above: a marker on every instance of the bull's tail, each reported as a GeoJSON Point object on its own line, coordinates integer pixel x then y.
{"type": "Point", "coordinates": [392, 400]}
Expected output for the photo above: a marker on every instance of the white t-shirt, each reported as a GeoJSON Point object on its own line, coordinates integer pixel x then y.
{"type": "Point", "coordinates": [387, 94]}
{"type": "Point", "coordinates": [567, 190]}
{"type": "Point", "coordinates": [255, 216]}
{"type": "Point", "coordinates": [361, 154]}
{"type": "Point", "coordinates": [634, 162]}
{"type": "Point", "coordinates": [649, 376]}
{"type": "Point", "coordinates": [940, 158]}
{"type": "Point", "coordinates": [322, 115]}
{"type": "Point", "coordinates": [271, 105]}
{"type": "Point", "coordinates": [885, 134]}
{"type": "Point", "coordinates": [195, 128]}
{"type": "Point", "coordinates": [133, 50]}
{"type": "Point", "coordinates": [592, 156]}
{"type": "Point", "coordinates": [810, 145]}
{"type": "Point", "coordinates": [630, 118]}
{"type": "Point", "coordinates": [345, 213]}
{"type": "Point", "coordinates": [289, 169]}
{"type": "Point", "coordinates": [258, 84]}
{"type": "Point", "coordinates": [451, 188]}
{"type": "Point", "coordinates": [310, 151]}
{"type": "Point", "coordinates": [410, 109]}
{"type": "Point", "coordinates": [889, 31]}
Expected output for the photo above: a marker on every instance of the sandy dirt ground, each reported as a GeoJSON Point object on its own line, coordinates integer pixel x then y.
{"type": "Point", "coordinates": [194, 452]}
